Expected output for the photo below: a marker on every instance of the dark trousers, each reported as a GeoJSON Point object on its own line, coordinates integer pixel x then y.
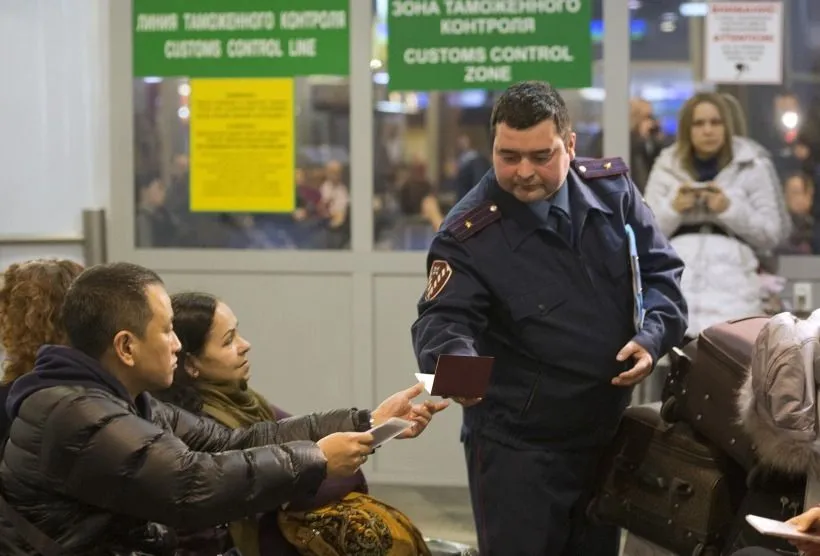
{"type": "Point", "coordinates": [755, 551]}
{"type": "Point", "coordinates": [532, 502]}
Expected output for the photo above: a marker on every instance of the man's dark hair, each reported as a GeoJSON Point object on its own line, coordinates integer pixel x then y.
{"type": "Point", "coordinates": [528, 103]}
{"type": "Point", "coordinates": [104, 300]}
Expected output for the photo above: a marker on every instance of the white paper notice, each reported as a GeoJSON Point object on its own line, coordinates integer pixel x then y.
{"type": "Point", "coordinates": [744, 42]}
{"type": "Point", "coordinates": [427, 379]}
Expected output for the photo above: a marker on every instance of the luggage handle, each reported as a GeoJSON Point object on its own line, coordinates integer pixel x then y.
{"type": "Point", "coordinates": [680, 490]}
{"type": "Point", "coordinates": [647, 478]}
{"type": "Point", "coordinates": [677, 489]}
{"type": "Point", "coordinates": [680, 354]}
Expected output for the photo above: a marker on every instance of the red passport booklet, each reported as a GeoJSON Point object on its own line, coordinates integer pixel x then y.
{"type": "Point", "coordinates": [462, 376]}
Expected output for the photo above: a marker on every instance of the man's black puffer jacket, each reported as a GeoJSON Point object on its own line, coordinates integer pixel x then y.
{"type": "Point", "coordinates": [92, 469]}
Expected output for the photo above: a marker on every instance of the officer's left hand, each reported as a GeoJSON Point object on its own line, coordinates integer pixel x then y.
{"type": "Point", "coordinates": [401, 405]}
{"type": "Point", "coordinates": [641, 369]}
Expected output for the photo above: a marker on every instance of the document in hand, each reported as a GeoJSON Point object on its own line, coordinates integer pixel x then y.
{"type": "Point", "coordinates": [780, 529]}
{"type": "Point", "coordinates": [459, 376]}
{"type": "Point", "coordinates": [389, 430]}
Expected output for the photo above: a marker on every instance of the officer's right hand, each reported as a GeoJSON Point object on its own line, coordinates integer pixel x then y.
{"type": "Point", "coordinates": [686, 198]}
{"type": "Point", "coordinates": [467, 402]}
{"type": "Point", "coordinates": [345, 452]}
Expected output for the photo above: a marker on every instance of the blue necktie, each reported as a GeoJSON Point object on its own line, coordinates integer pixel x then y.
{"type": "Point", "coordinates": [560, 223]}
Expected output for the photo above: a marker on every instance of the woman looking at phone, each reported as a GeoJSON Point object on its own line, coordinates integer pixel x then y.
{"type": "Point", "coordinates": [716, 196]}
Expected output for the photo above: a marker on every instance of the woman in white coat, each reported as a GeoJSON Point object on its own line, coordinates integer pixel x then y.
{"type": "Point", "coordinates": [717, 197]}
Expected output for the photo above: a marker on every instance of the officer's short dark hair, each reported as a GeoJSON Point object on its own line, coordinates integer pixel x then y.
{"type": "Point", "coordinates": [528, 103]}
{"type": "Point", "coordinates": [104, 300]}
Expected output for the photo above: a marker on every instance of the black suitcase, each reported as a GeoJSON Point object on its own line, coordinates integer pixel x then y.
{"type": "Point", "coordinates": [703, 382]}
{"type": "Point", "coordinates": [666, 485]}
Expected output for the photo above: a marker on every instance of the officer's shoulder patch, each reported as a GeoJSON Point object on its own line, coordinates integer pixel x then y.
{"type": "Point", "coordinates": [600, 167]}
{"type": "Point", "coordinates": [474, 220]}
{"type": "Point", "coordinates": [440, 273]}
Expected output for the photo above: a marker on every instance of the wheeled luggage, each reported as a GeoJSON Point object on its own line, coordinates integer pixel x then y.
{"type": "Point", "coordinates": [704, 380]}
{"type": "Point", "coordinates": [666, 485]}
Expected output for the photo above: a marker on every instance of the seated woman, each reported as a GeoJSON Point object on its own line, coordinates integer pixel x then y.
{"type": "Point", "coordinates": [31, 297]}
{"type": "Point", "coordinates": [212, 379]}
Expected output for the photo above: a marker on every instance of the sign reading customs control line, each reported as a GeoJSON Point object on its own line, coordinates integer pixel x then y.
{"type": "Point", "coordinates": [240, 38]}
{"type": "Point", "coordinates": [488, 44]}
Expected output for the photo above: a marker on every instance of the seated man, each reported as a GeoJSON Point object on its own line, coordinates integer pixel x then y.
{"type": "Point", "coordinates": [97, 466]}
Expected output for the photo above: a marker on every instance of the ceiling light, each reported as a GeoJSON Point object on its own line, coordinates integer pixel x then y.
{"type": "Point", "coordinates": [694, 9]}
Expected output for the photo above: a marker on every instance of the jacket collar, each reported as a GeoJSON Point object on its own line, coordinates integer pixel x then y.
{"type": "Point", "coordinates": [519, 222]}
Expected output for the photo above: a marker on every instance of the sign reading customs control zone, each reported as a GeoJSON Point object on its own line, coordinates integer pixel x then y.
{"type": "Point", "coordinates": [488, 44]}
{"type": "Point", "coordinates": [744, 42]}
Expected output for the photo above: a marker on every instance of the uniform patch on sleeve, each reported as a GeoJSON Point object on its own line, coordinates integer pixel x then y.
{"type": "Point", "coordinates": [440, 272]}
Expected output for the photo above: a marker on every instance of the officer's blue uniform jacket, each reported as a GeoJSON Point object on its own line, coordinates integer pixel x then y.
{"type": "Point", "coordinates": [553, 313]}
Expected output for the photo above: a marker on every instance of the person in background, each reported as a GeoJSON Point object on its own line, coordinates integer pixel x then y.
{"type": "Point", "coordinates": [472, 165]}
{"type": "Point", "coordinates": [449, 183]}
{"type": "Point", "coordinates": [308, 197]}
{"type": "Point", "coordinates": [712, 195]}
{"type": "Point", "coordinates": [31, 298]}
{"type": "Point", "coordinates": [155, 225]}
{"type": "Point", "coordinates": [335, 202]}
{"type": "Point", "coordinates": [799, 200]}
{"type": "Point", "coordinates": [806, 146]}
{"type": "Point", "coordinates": [211, 380]}
{"type": "Point", "coordinates": [98, 466]}
{"type": "Point", "coordinates": [645, 141]}
{"type": "Point", "coordinates": [532, 268]}
{"type": "Point", "coordinates": [413, 188]}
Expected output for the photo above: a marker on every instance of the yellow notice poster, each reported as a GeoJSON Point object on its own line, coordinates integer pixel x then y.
{"type": "Point", "coordinates": [242, 145]}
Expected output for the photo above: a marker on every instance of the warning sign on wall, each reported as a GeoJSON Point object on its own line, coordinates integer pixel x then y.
{"type": "Point", "coordinates": [242, 145]}
{"type": "Point", "coordinates": [744, 42]}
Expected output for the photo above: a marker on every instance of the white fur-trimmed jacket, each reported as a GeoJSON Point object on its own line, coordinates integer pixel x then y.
{"type": "Point", "coordinates": [721, 280]}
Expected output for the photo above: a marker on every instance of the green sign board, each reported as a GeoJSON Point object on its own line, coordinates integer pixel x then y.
{"type": "Point", "coordinates": [240, 38]}
{"type": "Point", "coordinates": [488, 44]}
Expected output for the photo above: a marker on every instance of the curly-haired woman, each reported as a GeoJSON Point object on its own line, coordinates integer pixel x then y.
{"type": "Point", "coordinates": [31, 296]}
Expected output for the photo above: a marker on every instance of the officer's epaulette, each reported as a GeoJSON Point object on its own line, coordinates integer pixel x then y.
{"type": "Point", "coordinates": [600, 167]}
{"type": "Point", "coordinates": [474, 220]}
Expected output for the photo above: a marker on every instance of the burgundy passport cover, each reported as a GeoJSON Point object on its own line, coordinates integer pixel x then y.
{"type": "Point", "coordinates": [462, 376]}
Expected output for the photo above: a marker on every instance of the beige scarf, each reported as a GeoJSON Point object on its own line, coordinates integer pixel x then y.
{"type": "Point", "coordinates": [237, 406]}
